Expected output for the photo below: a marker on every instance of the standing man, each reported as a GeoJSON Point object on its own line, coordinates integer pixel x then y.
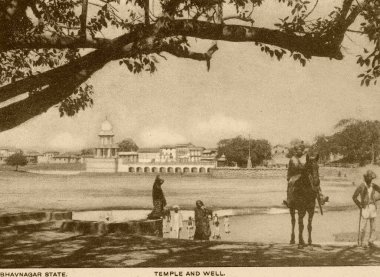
{"type": "Point", "coordinates": [367, 206]}
{"type": "Point", "coordinates": [176, 222]}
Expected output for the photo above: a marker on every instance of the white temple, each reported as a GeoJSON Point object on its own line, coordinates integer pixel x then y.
{"type": "Point", "coordinates": [106, 147]}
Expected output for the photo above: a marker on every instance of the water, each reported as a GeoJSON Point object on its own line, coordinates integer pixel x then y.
{"type": "Point", "coordinates": [25, 192]}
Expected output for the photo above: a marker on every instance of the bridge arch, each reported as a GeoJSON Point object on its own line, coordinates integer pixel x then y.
{"type": "Point", "coordinates": [202, 170]}
{"type": "Point", "coordinates": [194, 170]}
{"type": "Point", "coordinates": [170, 170]}
{"type": "Point", "coordinates": [162, 169]}
{"type": "Point", "coordinates": [154, 169]}
{"type": "Point", "coordinates": [186, 170]}
{"type": "Point", "coordinates": [131, 170]}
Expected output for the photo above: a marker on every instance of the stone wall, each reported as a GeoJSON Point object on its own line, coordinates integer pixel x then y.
{"type": "Point", "coordinates": [138, 227]}
{"type": "Point", "coordinates": [101, 165]}
{"type": "Point", "coordinates": [324, 173]}
{"type": "Point", "coordinates": [340, 172]}
{"type": "Point", "coordinates": [236, 173]}
{"type": "Point", "coordinates": [19, 218]}
{"type": "Point", "coordinates": [14, 224]}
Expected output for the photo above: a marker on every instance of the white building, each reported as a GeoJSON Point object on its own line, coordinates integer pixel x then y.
{"type": "Point", "coordinates": [106, 147]}
{"type": "Point", "coordinates": [132, 157]}
{"type": "Point", "coordinates": [168, 153]}
{"type": "Point", "coordinates": [5, 152]}
{"type": "Point", "coordinates": [47, 157]}
{"type": "Point", "coordinates": [279, 156]}
{"type": "Point", "coordinates": [149, 155]}
{"type": "Point", "coordinates": [66, 158]}
{"type": "Point", "coordinates": [181, 158]}
{"type": "Point", "coordinates": [32, 157]}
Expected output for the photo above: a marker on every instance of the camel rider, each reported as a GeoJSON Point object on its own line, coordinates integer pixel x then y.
{"type": "Point", "coordinates": [295, 169]}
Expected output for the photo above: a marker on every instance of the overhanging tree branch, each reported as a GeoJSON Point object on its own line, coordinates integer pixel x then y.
{"type": "Point", "coordinates": [146, 13]}
{"type": "Point", "coordinates": [83, 19]}
{"type": "Point", "coordinates": [185, 53]}
{"type": "Point", "coordinates": [307, 44]}
{"type": "Point", "coordinates": [58, 42]}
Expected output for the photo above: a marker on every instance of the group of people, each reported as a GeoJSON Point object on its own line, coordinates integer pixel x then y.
{"type": "Point", "coordinates": [363, 197]}
{"type": "Point", "coordinates": [173, 222]}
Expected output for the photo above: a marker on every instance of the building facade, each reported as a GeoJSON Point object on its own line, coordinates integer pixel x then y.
{"type": "Point", "coordinates": [106, 147]}
{"type": "Point", "coordinates": [179, 159]}
{"type": "Point", "coordinates": [47, 157]}
{"type": "Point", "coordinates": [279, 156]}
{"type": "Point", "coordinates": [149, 155]}
{"type": "Point", "coordinates": [129, 157]}
{"type": "Point", "coordinates": [67, 158]}
{"type": "Point", "coordinates": [168, 153]}
{"type": "Point", "coordinates": [32, 157]}
{"type": "Point", "coordinates": [5, 152]}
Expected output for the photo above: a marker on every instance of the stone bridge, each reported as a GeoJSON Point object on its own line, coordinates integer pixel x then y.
{"type": "Point", "coordinates": [174, 168]}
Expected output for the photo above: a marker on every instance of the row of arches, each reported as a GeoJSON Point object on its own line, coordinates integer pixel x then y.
{"type": "Point", "coordinates": [168, 170]}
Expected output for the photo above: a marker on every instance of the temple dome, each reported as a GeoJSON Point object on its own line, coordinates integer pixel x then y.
{"type": "Point", "coordinates": [106, 129]}
{"type": "Point", "coordinates": [106, 126]}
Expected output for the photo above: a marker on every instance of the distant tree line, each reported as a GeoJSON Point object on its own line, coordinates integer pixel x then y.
{"type": "Point", "coordinates": [17, 159]}
{"type": "Point", "coordinates": [356, 140]}
{"type": "Point", "coordinates": [236, 150]}
{"type": "Point", "coordinates": [128, 145]}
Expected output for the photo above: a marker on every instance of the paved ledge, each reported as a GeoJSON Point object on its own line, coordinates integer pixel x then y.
{"type": "Point", "coordinates": [50, 248]}
{"type": "Point", "coordinates": [140, 227]}
{"type": "Point", "coordinates": [33, 217]}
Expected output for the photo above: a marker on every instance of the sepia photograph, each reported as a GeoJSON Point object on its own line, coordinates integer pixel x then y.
{"type": "Point", "coordinates": [188, 137]}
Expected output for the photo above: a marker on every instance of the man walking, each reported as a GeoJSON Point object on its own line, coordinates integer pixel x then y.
{"type": "Point", "coordinates": [367, 206]}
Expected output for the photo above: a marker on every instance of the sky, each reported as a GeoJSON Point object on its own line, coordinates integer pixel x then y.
{"type": "Point", "coordinates": [245, 93]}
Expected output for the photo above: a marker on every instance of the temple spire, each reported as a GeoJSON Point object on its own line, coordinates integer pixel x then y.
{"type": "Point", "coordinates": [249, 162]}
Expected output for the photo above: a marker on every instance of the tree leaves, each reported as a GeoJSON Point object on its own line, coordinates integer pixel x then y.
{"type": "Point", "coordinates": [80, 100]}
{"type": "Point", "coordinates": [358, 141]}
{"type": "Point", "coordinates": [236, 150]}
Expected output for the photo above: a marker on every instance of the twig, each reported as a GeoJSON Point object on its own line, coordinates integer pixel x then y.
{"type": "Point", "coordinates": [312, 10]}
{"type": "Point", "coordinates": [246, 19]}
{"type": "Point", "coordinates": [83, 19]}
{"type": "Point", "coordinates": [185, 53]}
{"type": "Point", "coordinates": [355, 31]}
